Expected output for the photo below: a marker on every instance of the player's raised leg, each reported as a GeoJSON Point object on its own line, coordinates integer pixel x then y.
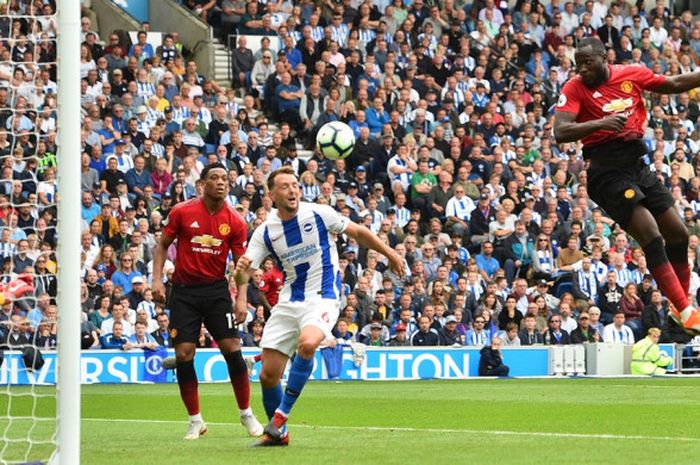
{"type": "Point", "coordinates": [189, 389]}
{"type": "Point", "coordinates": [643, 227]}
{"type": "Point", "coordinates": [676, 237]}
{"type": "Point", "coordinates": [238, 373]}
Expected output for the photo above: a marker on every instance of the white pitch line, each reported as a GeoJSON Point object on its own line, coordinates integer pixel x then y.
{"type": "Point", "coordinates": [432, 430]}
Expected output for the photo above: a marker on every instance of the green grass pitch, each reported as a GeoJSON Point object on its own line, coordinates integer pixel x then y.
{"type": "Point", "coordinates": [573, 421]}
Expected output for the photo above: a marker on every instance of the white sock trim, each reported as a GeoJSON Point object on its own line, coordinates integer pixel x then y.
{"type": "Point", "coordinates": [197, 417]}
{"type": "Point", "coordinates": [685, 314]}
{"type": "Point", "coordinates": [245, 411]}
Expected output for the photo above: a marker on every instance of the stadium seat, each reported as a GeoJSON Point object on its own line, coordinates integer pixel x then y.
{"type": "Point", "coordinates": [563, 287]}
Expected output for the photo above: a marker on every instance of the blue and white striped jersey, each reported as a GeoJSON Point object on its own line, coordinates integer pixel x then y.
{"type": "Point", "coordinates": [624, 276]}
{"type": "Point", "coordinates": [145, 90]}
{"type": "Point", "coordinates": [317, 33]}
{"type": "Point", "coordinates": [340, 34]}
{"type": "Point", "coordinates": [304, 249]}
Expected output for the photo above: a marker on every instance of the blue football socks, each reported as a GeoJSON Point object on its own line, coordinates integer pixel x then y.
{"type": "Point", "coordinates": [271, 397]}
{"type": "Point", "coordinates": [298, 375]}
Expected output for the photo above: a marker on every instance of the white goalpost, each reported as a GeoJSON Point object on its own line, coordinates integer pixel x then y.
{"type": "Point", "coordinates": [40, 424]}
{"type": "Point", "coordinates": [69, 220]}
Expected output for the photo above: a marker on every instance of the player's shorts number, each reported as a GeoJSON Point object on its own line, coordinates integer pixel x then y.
{"type": "Point", "coordinates": [231, 320]}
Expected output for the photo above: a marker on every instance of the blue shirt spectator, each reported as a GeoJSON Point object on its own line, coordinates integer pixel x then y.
{"type": "Point", "coordinates": [137, 178]}
{"type": "Point", "coordinates": [377, 117]}
{"type": "Point", "coordinates": [125, 279]}
{"type": "Point", "coordinates": [89, 208]}
{"type": "Point", "coordinates": [115, 339]}
{"type": "Point", "coordinates": [290, 103]}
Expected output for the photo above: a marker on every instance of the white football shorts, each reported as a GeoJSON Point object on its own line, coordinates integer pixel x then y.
{"type": "Point", "coordinates": [288, 318]}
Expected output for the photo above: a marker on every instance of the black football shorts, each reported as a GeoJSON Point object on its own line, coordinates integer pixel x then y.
{"type": "Point", "coordinates": [211, 304]}
{"type": "Point", "coordinates": [618, 179]}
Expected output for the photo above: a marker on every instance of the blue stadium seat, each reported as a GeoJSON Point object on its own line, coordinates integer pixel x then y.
{"type": "Point", "coordinates": [563, 287]}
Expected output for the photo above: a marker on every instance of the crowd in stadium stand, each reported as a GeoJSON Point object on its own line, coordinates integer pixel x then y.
{"type": "Point", "coordinates": [455, 164]}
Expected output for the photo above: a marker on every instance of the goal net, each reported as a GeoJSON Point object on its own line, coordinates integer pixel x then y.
{"type": "Point", "coordinates": [39, 183]}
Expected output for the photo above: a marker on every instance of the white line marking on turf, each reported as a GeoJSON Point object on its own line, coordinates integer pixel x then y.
{"type": "Point", "coordinates": [430, 430]}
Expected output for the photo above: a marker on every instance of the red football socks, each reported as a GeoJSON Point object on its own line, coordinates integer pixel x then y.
{"type": "Point", "coordinates": [238, 373]}
{"type": "Point", "coordinates": [669, 283]}
{"type": "Point", "coordinates": [682, 271]}
{"type": "Point", "coordinates": [279, 420]}
{"type": "Point", "coordinates": [189, 392]}
{"type": "Point", "coordinates": [241, 387]}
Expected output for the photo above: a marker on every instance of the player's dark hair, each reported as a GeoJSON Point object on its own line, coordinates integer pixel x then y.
{"type": "Point", "coordinates": [277, 172]}
{"type": "Point", "coordinates": [595, 43]}
{"type": "Point", "coordinates": [208, 168]}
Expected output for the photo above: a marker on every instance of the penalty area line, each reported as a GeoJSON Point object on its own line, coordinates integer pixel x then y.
{"type": "Point", "coordinates": [542, 434]}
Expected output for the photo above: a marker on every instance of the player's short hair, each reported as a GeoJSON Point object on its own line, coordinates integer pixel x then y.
{"type": "Point", "coordinates": [283, 170]}
{"type": "Point", "coordinates": [208, 168]}
{"type": "Point", "coordinates": [595, 43]}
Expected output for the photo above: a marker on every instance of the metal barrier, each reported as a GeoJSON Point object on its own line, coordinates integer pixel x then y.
{"type": "Point", "coordinates": [688, 358]}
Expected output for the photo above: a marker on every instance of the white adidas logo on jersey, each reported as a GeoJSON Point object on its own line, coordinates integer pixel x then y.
{"type": "Point", "coordinates": [597, 94]}
{"type": "Point", "coordinates": [194, 224]}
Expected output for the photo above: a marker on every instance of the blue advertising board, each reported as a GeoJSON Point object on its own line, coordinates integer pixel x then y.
{"type": "Point", "coordinates": [115, 366]}
{"type": "Point", "coordinates": [137, 9]}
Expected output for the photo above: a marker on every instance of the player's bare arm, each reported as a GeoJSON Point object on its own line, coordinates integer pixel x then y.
{"type": "Point", "coordinates": [160, 253]}
{"type": "Point", "coordinates": [566, 129]}
{"type": "Point", "coordinates": [679, 83]}
{"type": "Point", "coordinates": [366, 238]}
{"type": "Point", "coordinates": [242, 277]}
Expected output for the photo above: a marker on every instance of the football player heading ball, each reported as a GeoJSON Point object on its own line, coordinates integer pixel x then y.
{"type": "Point", "coordinates": [604, 107]}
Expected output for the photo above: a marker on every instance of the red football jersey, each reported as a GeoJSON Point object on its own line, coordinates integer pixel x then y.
{"type": "Point", "coordinates": [204, 241]}
{"type": "Point", "coordinates": [272, 283]}
{"type": "Point", "coordinates": [621, 94]}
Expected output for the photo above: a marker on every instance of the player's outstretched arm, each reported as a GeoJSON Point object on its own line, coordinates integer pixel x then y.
{"type": "Point", "coordinates": [680, 83]}
{"type": "Point", "coordinates": [367, 238]}
{"type": "Point", "coordinates": [160, 253]}
{"type": "Point", "coordinates": [566, 129]}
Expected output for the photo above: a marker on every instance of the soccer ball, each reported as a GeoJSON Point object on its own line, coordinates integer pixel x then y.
{"type": "Point", "coordinates": [335, 140]}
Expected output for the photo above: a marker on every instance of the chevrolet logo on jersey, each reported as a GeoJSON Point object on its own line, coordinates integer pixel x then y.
{"type": "Point", "coordinates": [618, 105]}
{"type": "Point", "coordinates": [206, 241]}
